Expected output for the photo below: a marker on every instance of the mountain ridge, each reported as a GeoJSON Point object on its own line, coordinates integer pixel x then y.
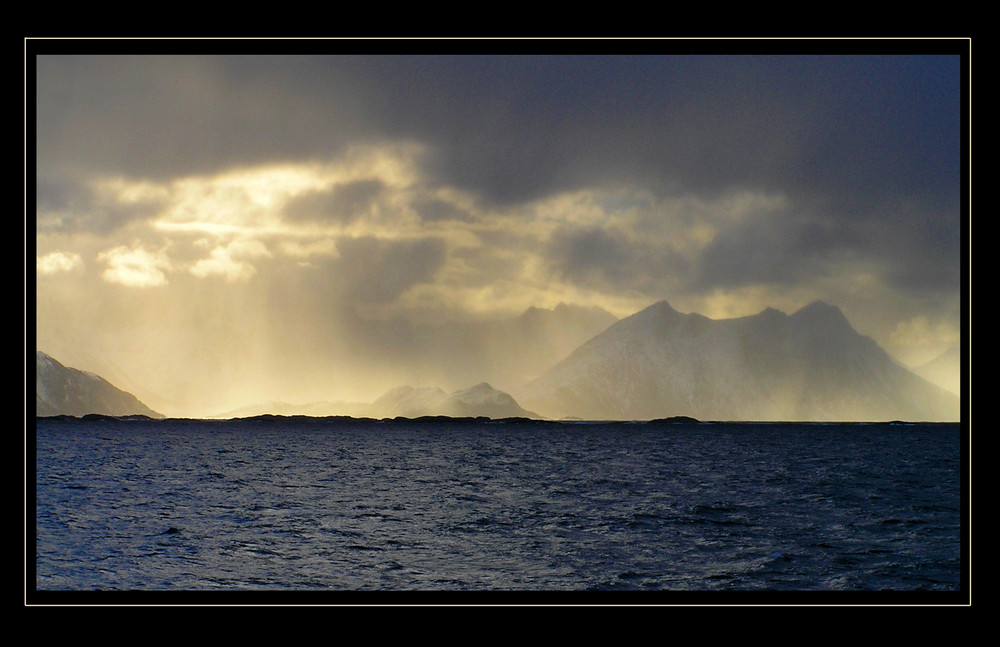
{"type": "Point", "coordinates": [810, 365]}
{"type": "Point", "coordinates": [62, 390]}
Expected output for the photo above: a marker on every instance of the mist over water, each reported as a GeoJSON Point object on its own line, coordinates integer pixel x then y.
{"type": "Point", "coordinates": [281, 504]}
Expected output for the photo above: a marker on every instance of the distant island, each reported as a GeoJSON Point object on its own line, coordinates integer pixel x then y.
{"type": "Point", "coordinates": [479, 401]}
{"type": "Point", "coordinates": [676, 420]}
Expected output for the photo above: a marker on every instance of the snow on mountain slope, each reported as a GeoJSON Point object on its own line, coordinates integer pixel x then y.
{"type": "Point", "coordinates": [60, 390]}
{"type": "Point", "coordinates": [810, 365]}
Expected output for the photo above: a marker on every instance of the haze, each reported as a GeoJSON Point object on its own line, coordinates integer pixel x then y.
{"type": "Point", "coordinates": [213, 231]}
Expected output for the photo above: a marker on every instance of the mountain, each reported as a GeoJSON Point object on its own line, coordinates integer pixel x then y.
{"type": "Point", "coordinates": [479, 400]}
{"type": "Point", "coordinates": [60, 390]}
{"type": "Point", "coordinates": [811, 365]}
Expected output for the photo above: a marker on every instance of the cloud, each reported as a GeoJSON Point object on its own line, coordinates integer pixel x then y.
{"type": "Point", "coordinates": [339, 203]}
{"type": "Point", "coordinates": [615, 261]}
{"type": "Point", "coordinates": [767, 250]}
{"type": "Point", "coordinates": [516, 128]}
{"type": "Point", "coordinates": [230, 261]}
{"type": "Point", "coordinates": [921, 338]}
{"type": "Point", "coordinates": [99, 205]}
{"type": "Point", "coordinates": [378, 271]}
{"type": "Point", "coordinates": [592, 255]}
{"type": "Point", "coordinates": [55, 262]}
{"type": "Point", "coordinates": [135, 267]}
{"type": "Point", "coordinates": [303, 250]}
{"type": "Point", "coordinates": [431, 209]}
{"type": "Point", "coordinates": [244, 200]}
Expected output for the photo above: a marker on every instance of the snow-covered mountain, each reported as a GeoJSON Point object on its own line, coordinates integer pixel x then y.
{"type": "Point", "coordinates": [60, 390]}
{"type": "Point", "coordinates": [479, 400]}
{"type": "Point", "coordinates": [810, 365]}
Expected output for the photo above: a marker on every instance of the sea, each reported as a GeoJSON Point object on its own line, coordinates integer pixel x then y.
{"type": "Point", "coordinates": [443, 510]}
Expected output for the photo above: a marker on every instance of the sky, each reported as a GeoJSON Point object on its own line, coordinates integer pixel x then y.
{"type": "Point", "coordinates": [206, 224]}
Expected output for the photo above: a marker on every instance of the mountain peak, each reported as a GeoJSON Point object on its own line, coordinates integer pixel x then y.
{"type": "Point", "coordinates": [819, 307]}
{"type": "Point", "coordinates": [663, 304]}
{"type": "Point", "coordinates": [481, 387]}
{"type": "Point", "coordinates": [658, 309]}
{"type": "Point", "coordinates": [820, 312]}
{"type": "Point", "coordinates": [655, 316]}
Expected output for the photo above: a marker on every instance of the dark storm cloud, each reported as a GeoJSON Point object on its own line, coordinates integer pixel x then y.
{"type": "Point", "coordinates": [377, 271]}
{"type": "Point", "coordinates": [514, 128]}
{"type": "Point", "coordinates": [341, 203]}
{"type": "Point", "coordinates": [608, 259]}
{"type": "Point", "coordinates": [771, 251]}
{"type": "Point", "coordinates": [69, 198]}
{"type": "Point", "coordinates": [890, 126]}
{"type": "Point", "coordinates": [67, 206]}
{"type": "Point", "coordinates": [518, 128]}
{"type": "Point", "coordinates": [913, 246]}
{"type": "Point", "coordinates": [920, 246]}
{"type": "Point", "coordinates": [168, 116]}
{"type": "Point", "coordinates": [592, 255]}
{"type": "Point", "coordinates": [432, 209]}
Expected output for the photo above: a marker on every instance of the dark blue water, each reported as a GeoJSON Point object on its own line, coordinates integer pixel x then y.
{"type": "Point", "coordinates": [335, 505]}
